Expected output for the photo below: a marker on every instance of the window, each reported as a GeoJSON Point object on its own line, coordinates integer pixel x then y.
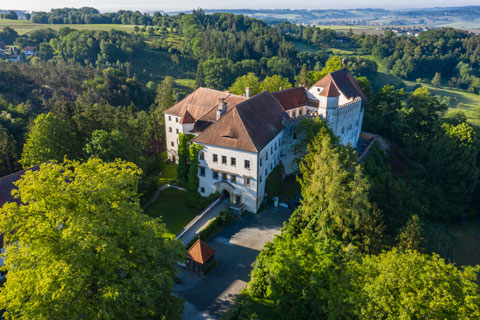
{"type": "Point", "coordinates": [294, 114]}
{"type": "Point", "coordinates": [202, 190]}
{"type": "Point", "coordinates": [294, 136]}
{"type": "Point", "coordinates": [169, 118]}
{"type": "Point", "coordinates": [177, 142]}
{"type": "Point", "coordinates": [173, 144]}
{"type": "Point", "coordinates": [299, 112]}
{"type": "Point", "coordinates": [177, 131]}
{"type": "Point", "coordinates": [215, 175]}
{"type": "Point", "coordinates": [169, 129]}
{"type": "Point", "coordinates": [215, 158]}
{"type": "Point", "coordinates": [233, 178]}
{"type": "Point", "coordinates": [247, 164]}
{"type": "Point", "coordinates": [343, 130]}
{"type": "Point", "coordinates": [308, 111]}
{"type": "Point", "coordinates": [224, 159]}
{"type": "Point", "coordinates": [202, 171]}
{"type": "Point", "coordinates": [261, 162]}
{"type": "Point", "coordinates": [202, 155]}
{"type": "Point", "coordinates": [224, 176]}
{"type": "Point", "coordinates": [260, 178]}
{"type": "Point", "coordinates": [233, 161]}
{"type": "Point", "coordinates": [246, 181]}
{"type": "Point", "coordinates": [176, 120]}
{"type": "Point", "coordinates": [266, 156]}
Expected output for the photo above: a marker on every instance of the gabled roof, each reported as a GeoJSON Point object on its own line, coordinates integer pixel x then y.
{"type": "Point", "coordinates": [29, 48]}
{"type": "Point", "coordinates": [187, 118]}
{"type": "Point", "coordinates": [211, 116]}
{"type": "Point", "coordinates": [7, 186]}
{"type": "Point", "coordinates": [330, 90]}
{"type": "Point", "coordinates": [248, 126]}
{"type": "Point", "coordinates": [294, 98]}
{"type": "Point", "coordinates": [344, 81]}
{"type": "Point", "coordinates": [200, 252]}
{"type": "Point", "coordinates": [200, 102]}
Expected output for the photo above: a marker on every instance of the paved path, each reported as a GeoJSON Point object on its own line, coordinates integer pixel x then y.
{"type": "Point", "coordinates": [237, 247]}
{"type": "Point", "coordinates": [202, 223]}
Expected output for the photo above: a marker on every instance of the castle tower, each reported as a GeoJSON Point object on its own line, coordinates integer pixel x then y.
{"type": "Point", "coordinates": [328, 101]}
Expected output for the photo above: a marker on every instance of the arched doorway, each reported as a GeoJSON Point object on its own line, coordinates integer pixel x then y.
{"type": "Point", "coordinates": [226, 190]}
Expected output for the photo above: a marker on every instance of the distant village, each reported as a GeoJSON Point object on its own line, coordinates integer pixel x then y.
{"type": "Point", "coordinates": [14, 54]}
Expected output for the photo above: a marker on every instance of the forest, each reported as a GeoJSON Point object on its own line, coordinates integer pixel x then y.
{"type": "Point", "coordinates": [90, 104]}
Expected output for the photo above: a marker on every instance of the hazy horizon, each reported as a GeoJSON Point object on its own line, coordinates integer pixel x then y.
{"type": "Point", "coordinates": [150, 5]}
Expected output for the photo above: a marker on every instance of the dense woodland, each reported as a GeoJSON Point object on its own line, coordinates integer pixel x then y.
{"type": "Point", "coordinates": [355, 248]}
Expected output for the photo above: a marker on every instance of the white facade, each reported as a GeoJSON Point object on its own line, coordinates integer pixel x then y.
{"type": "Point", "coordinates": [173, 128]}
{"type": "Point", "coordinates": [241, 173]}
{"type": "Point", "coordinates": [344, 116]}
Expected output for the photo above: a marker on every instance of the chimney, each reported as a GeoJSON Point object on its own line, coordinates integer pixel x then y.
{"type": "Point", "coordinates": [222, 108]}
{"type": "Point", "coordinates": [247, 92]}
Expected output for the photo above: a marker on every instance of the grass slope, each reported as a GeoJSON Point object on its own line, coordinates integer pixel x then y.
{"type": "Point", "coordinates": [24, 26]}
{"type": "Point", "coordinates": [461, 100]}
{"type": "Point", "coordinates": [171, 206]}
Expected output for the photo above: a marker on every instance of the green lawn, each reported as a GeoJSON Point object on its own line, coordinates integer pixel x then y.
{"type": "Point", "coordinates": [24, 26]}
{"type": "Point", "coordinates": [171, 206]}
{"type": "Point", "coordinates": [461, 100]}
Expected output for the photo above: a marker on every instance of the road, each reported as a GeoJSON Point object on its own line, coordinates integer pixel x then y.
{"type": "Point", "coordinates": [203, 222]}
{"type": "Point", "coordinates": [237, 247]}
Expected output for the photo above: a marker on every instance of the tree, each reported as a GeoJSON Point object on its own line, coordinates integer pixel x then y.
{"type": "Point", "coordinates": [437, 80]}
{"type": "Point", "coordinates": [411, 285]}
{"type": "Point", "coordinates": [249, 80]}
{"type": "Point", "coordinates": [275, 83]}
{"type": "Point", "coordinates": [303, 277]}
{"type": "Point", "coordinates": [48, 139]}
{"type": "Point", "coordinates": [109, 146]}
{"type": "Point", "coordinates": [183, 157]}
{"type": "Point", "coordinates": [193, 181]}
{"type": "Point", "coordinates": [302, 78]}
{"type": "Point", "coordinates": [11, 15]}
{"type": "Point", "coordinates": [335, 194]}
{"type": "Point", "coordinates": [8, 35]}
{"type": "Point", "coordinates": [80, 247]}
{"type": "Point", "coordinates": [410, 237]}
{"type": "Point", "coordinates": [28, 16]}
{"type": "Point", "coordinates": [164, 99]}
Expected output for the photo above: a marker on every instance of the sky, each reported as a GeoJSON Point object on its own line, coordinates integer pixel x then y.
{"type": "Point", "coordinates": [169, 5]}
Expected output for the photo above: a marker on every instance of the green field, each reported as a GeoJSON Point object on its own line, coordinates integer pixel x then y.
{"type": "Point", "coordinates": [24, 26]}
{"type": "Point", "coordinates": [171, 206]}
{"type": "Point", "coordinates": [461, 100]}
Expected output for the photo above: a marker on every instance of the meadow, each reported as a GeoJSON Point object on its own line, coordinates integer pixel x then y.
{"type": "Point", "coordinates": [25, 26]}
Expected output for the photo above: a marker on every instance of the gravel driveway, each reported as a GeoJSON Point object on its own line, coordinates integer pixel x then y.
{"type": "Point", "coordinates": [237, 247]}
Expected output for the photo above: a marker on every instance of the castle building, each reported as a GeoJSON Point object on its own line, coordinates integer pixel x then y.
{"type": "Point", "coordinates": [244, 138]}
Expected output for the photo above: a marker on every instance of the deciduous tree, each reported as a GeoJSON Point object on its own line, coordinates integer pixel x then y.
{"type": "Point", "coordinates": [80, 247]}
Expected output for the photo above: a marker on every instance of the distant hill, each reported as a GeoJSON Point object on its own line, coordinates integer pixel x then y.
{"type": "Point", "coordinates": [438, 16]}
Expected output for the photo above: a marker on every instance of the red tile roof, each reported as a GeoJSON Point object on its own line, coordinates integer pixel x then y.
{"type": "Point", "coordinates": [201, 101]}
{"type": "Point", "coordinates": [294, 98]}
{"type": "Point", "coordinates": [330, 91]}
{"type": "Point", "coordinates": [344, 81]}
{"type": "Point", "coordinates": [187, 118]}
{"type": "Point", "coordinates": [247, 126]}
{"type": "Point", "coordinates": [200, 252]}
